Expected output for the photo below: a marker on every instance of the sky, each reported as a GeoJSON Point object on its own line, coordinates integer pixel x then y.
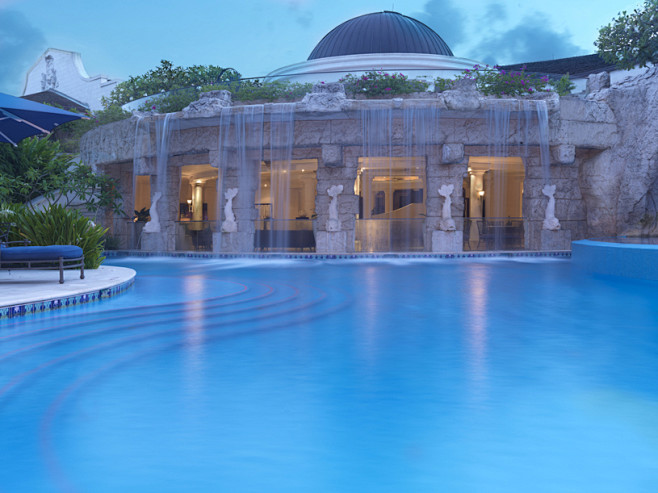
{"type": "Point", "coordinates": [121, 38]}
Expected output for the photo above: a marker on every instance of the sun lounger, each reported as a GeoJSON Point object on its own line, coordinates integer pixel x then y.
{"type": "Point", "coordinates": [58, 257]}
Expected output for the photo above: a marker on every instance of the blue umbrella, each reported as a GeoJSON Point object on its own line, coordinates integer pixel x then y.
{"type": "Point", "coordinates": [21, 118]}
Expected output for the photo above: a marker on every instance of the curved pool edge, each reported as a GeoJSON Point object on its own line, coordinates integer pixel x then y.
{"type": "Point", "coordinates": [637, 261]}
{"type": "Point", "coordinates": [35, 291]}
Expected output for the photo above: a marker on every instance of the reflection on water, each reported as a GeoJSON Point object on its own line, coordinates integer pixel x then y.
{"type": "Point", "coordinates": [347, 376]}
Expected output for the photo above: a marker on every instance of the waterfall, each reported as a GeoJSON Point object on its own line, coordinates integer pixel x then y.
{"type": "Point", "coordinates": [392, 180]}
{"type": "Point", "coordinates": [281, 139]}
{"type": "Point", "coordinates": [142, 150]}
{"type": "Point", "coordinates": [240, 155]}
{"type": "Point", "coordinates": [542, 122]}
{"type": "Point", "coordinates": [531, 125]}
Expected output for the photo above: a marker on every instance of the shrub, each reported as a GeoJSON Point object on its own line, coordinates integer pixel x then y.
{"type": "Point", "coordinates": [379, 83]}
{"type": "Point", "coordinates": [69, 134]}
{"type": "Point", "coordinates": [498, 82]}
{"type": "Point", "coordinates": [493, 81]}
{"type": "Point", "coordinates": [60, 226]}
{"type": "Point", "coordinates": [38, 167]}
{"type": "Point", "coordinates": [167, 77]}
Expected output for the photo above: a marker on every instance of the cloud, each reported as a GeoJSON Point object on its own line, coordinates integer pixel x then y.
{"type": "Point", "coordinates": [303, 17]}
{"type": "Point", "coordinates": [531, 40]}
{"type": "Point", "coordinates": [446, 20]}
{"type": "Point", "coordinates": [20, 45]}
{"type": "Point", "coordinates": [494, 13]}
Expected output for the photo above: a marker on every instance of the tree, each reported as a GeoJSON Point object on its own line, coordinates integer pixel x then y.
{"type": "Point", "coordinates": [631, 39]}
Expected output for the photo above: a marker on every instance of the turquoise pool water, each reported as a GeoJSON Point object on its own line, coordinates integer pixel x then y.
{"type": "Point", "coordinates": [299, 376]}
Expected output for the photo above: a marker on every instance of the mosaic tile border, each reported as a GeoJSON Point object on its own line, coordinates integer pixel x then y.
{"type": "Point", "coordinates": [342, 256]}
{"type": "Point", "coordinates": [12, 311]}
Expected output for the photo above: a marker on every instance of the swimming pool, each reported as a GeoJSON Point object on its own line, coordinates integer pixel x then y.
{"type": "Point", "coordinates": [401, 375]}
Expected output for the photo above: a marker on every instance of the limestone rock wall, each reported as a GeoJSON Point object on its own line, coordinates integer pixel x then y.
{"type": "Point", "coordinates": [622, 182]}
{"type": "Point", "coordinates": [603, 152]}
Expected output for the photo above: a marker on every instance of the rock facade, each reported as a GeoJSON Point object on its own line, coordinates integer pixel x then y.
{"type": "Point", "coordinates": [602, 157]}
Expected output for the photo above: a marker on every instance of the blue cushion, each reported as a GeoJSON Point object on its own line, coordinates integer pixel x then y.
{"type": "Point", "coordinates": [50, 252]}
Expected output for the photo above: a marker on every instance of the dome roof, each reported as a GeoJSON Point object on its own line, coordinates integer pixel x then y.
{"type": "Point", "coordinates": [381, 32]}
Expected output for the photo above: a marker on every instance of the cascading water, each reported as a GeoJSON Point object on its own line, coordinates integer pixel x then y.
{"type": "Point", "coordinates": [542, 122]}
{"type": "Point", "coordinates": [531, 123]}
{"type": "Point", "coordinates": [281, 139]}
{"type": "Point", "coordinates": [392, 184]}
{"type": "Point", "coordinates": [140, 149]}
{"type": "Point", "coordinates": [240, 155]}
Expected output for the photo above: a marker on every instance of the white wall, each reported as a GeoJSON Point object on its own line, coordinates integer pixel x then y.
{"type": "Point", "coordinates": [63, 71]}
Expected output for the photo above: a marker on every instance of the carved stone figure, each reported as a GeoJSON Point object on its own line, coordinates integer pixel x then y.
{"type": "Point", "coordinates": [49, 79]}
{"type": "Point", "coordinates": [446, 223]}
{"type": "Point", "coordinates": [550, 221]}
{"type": "Point", "coordinates": [229, 225]}
{"type": "Point", "coordinates": [333, 224]}
{"type": "Point", "coordinates": [153, 226]}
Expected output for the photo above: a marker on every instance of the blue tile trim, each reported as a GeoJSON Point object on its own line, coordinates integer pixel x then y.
{"type": "Point", "coordinates": [339, 256]}
{"type": "Point", "coordinates": [12, 311]}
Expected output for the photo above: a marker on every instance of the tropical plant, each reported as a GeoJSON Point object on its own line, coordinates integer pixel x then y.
{"type": "Point", "coordinates": [631, 39]}
{"type": "Point", "coordinates": [58, 225]}
{"type": "Point", "coordinates": [378, 83]}
{"type": "Point", "coordinates": [69, 134]}
{"type": "Point", "coordinates": [38, 167]}
{"type": "Point", "coordinates": [167, 77]}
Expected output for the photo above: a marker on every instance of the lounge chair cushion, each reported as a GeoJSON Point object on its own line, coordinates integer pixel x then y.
{"type": "Point", "coordinates": [50, 252]}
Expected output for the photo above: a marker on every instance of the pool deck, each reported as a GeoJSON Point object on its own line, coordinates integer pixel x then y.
{"type": "Point", "coordinates": [30, 291]}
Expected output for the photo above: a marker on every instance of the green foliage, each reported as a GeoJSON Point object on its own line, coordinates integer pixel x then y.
{"type": "Point", "coordinates": [563, 86]}
{"type": "Point", "coordinates": [498, 82]}
{"type": "Point", "coordinates": [69, 134]}
{"type": "Point", "coordinates": [378, 83]}
{"type": "Point", "coordinates": [240, 91]}
{"type": "Point", "coordinates": [441, 84]}
{"type": "Point", "coordinates": [172, 101]}
{"type": "Point", "coordinates": [269, 91]}
{"type": "Point", "coordinates": [631, 39]}
{"type": "Point", "coordinates": [38, 167]}
{"type": "Point", "coordinates": [142, 215]}
{"type": "Point", "coordinates": [60, 226]}
{"type": "Point", "coordinates": [167, 77]}
{"type": "Point", "coordinates": [493, 81]}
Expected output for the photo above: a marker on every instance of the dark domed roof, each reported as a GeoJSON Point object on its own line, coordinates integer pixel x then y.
{"type": "Point", "coordinates": [381, 32]}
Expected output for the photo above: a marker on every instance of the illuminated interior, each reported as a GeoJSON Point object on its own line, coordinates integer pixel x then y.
{"type": "Point", "coordinates": [142, 192]}
{"type": "Point", "coordinates": [287, 189]}
{"type": "Point", "coordinates": [198, 193]}
{"type": "Point", "coordinates": [495, 186]}
{"type": "Point", "coordinates": [493, 198]}
{"type": "Point", "coordinates": [391, 188]}
{"type": "Point", "coordinates": [392, 192]}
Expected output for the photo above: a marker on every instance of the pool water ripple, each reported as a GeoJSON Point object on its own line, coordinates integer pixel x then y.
{"type": "Point", "coordinates": [403, 376]}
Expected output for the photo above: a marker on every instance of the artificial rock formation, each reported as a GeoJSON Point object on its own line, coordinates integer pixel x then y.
{"type": "Point", "coordinates": [602, 156]}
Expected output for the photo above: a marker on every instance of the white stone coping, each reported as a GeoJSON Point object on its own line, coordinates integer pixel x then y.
{"type": "Point", "coordinates": [31, 291]}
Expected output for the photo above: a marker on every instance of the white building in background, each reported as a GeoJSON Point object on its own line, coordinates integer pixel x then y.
{"type": "Point", "coordinates": [387, 41]}
{"type": "Point", "coordinates": [60, 74]}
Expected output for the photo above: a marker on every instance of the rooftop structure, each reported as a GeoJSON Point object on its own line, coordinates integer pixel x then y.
{"type": "Point", "coordinates": [378, 41]}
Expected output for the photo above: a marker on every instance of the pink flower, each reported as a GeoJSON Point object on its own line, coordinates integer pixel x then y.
{"type": "Point", "coordinates": [387, 89]}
